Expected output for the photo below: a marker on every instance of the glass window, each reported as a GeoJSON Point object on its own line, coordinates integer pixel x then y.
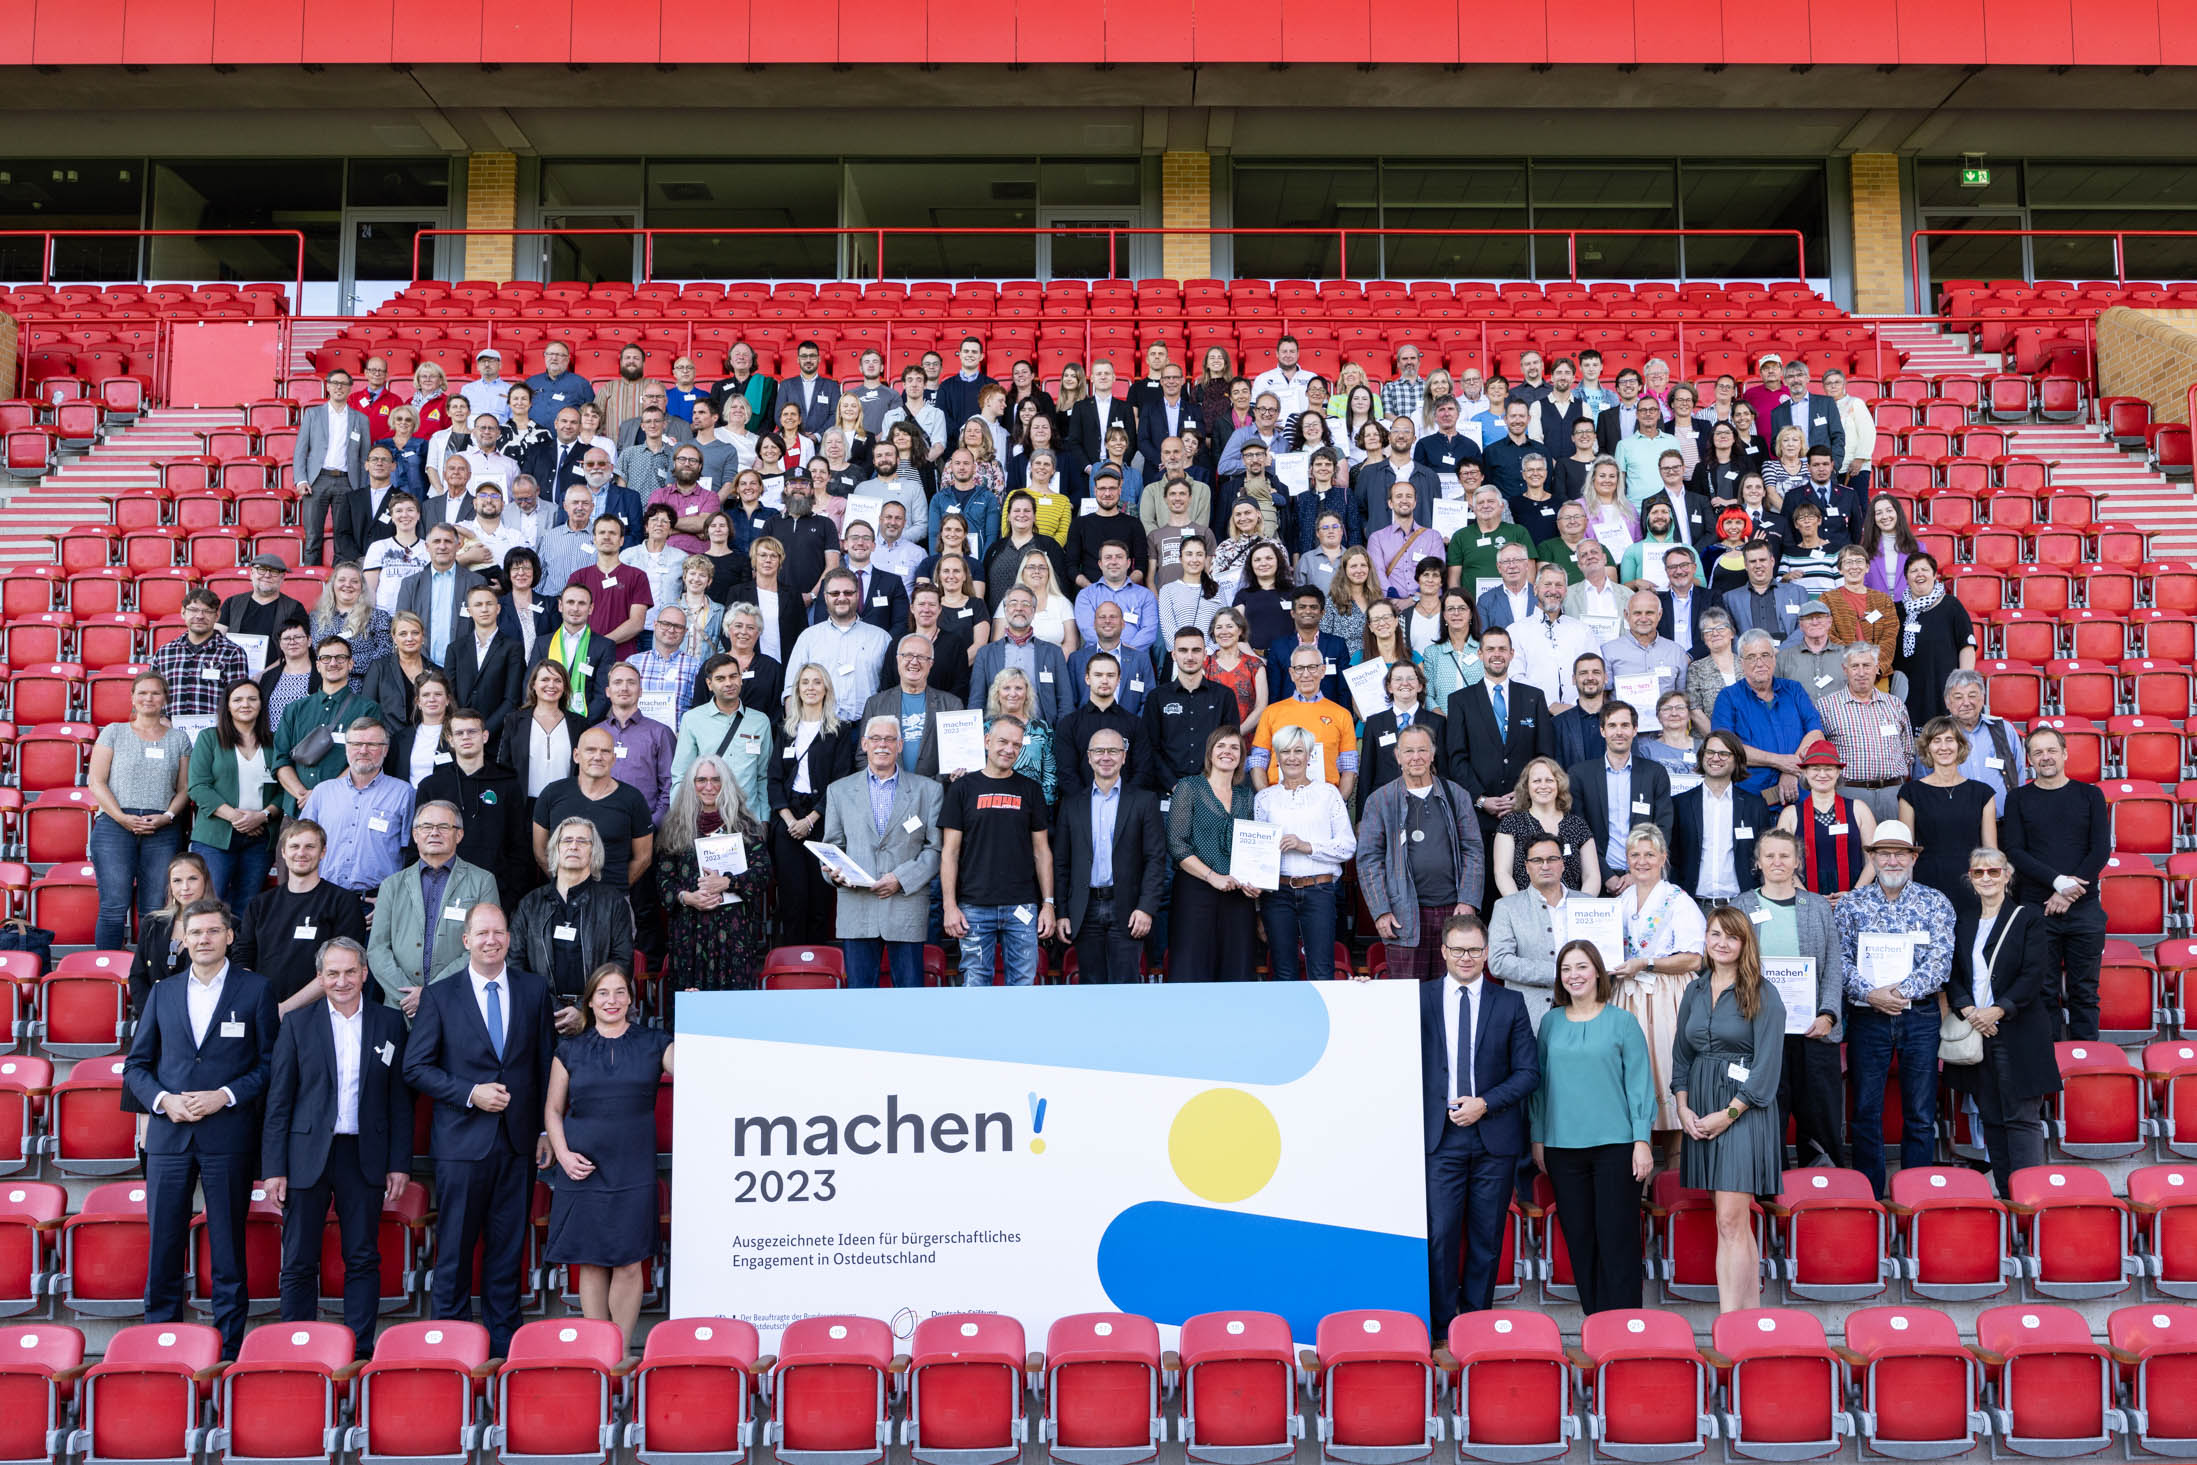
{"type": "Point", "coordinates": [566, 183]}
{"type": "Point", "coordinates": [2092, 259]}
{"type": "Point", "coordinates": [744, 196]}
{"type": "Point", "coordinates": [1938, 184]}
{"type": "Point", "coordinates": [280, 194]}
{"type": "Point", "coordinates": [70, 193]}
{"type": "Point", "coordinates": [1489, 197]}
{"type": "Point", "coordinates": [1765, 196]}
{"type": "Point", "coordinates": [2112, 184]}
{"type": "Point", "coordinates": [953, 203]}
{"type": "Point", "coordinates": [410, 183]}
{"type": "Point", "coordinates": [1118, 181]}
{"type": "Point", "coordinates": [1611, 205]}
{"type": "Point", "coordinates": [1289, 196]}
{"type": "Point", "coordinates": [1984, 258]}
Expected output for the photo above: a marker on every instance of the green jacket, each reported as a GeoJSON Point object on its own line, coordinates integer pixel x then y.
{"type": "Point", "coordinates": [311, 711]}
{"type": "Point", "coordinates": [214, 783]}
{"type": "Point", "coordinates": [398, 935]}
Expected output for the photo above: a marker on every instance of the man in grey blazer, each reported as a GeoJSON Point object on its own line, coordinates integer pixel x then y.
{"type": "Point", "coordinates": [397, 950]}
{"type": "Point", "coordinates": [422, 592]}
{"type": "Point", "coordinates": [1791, 921]}
{"type": "Point", "coordinates": [1528, 927]}
{"type": "Point", "coordinates": [330, 459]}
{"type": "Point", "coordinates": [915, 657]}
{"type": "Point", "coordinates": [1018, 609]}
{"type": "Point", "coordinates": [883, 926]}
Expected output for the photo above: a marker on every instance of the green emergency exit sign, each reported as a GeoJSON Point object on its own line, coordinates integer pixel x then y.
{"type": "Point", "coordinates": [1975, 177]}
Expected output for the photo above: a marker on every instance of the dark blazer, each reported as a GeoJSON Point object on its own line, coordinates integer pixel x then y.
{"type": "Point", "coordinates": [1084, 438]}
{"type": "Point", "coordinates": [829, 759]}
{"type": "Point", "coordinates": [1590, 798]}
{"type": "Point", "coordinates": [515, 745]}
{"type": "Point", "coordinates": [890, 617]}
{"type": "Point", "coordinates": [545, 618]}
{"type": "Point", "coordinates": [491, 688]}
{"type": "Point", "coordinates": [885, 702]}
{"type": "Point", "coordinates": [793, 611]}
{"type": "Point", "coordinates": [602, 653]}
{"type": "Point", "coordinates": [2022, 979]}
{"type": "Point", "coordinates": [1749, 813]}
{"type": "Point", "coordinates": [1140, 853]}
{"type": "Point", "coordinates": [385, 683]}
{"type": "Point", "coordinates": [1505, 1061]}
{"type": "Point", "coordinates": [1607, 432]}
{"type": "Point", "coordinates": [165, 1059]}
{"type": "Point", "coordinates": [1823, 427]}
{"type": "Point", "coordinates": [400, 747]}
{"type": "Point", "coordinates": [823, 406]}
{"type": "Point", "coordinates": [1480, 760]}
{"type": "Point", "coordinates": [1151, 414]}
{"type": "Point", "coordinates": [563, 464]}
{"type": "Point", "coordinates": [1377, 747]}
{"type": "Point", "coordinates": [1693, 508]}
{"type": "Point", "coordinates": [1699, 605]}
{"type": "Point", "coordinates": [357, 523]}
{"type": "Point", "coordinates": [449, 1054]}
{"type": "Point", "coordinates": [301, 1097]}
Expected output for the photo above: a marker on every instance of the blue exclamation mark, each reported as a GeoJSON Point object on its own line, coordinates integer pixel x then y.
{"type": "Point", "coordinates": [1037, 1125]}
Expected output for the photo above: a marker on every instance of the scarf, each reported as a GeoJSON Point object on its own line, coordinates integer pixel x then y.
{"type": "Point", "coordinates": [1917, 607]}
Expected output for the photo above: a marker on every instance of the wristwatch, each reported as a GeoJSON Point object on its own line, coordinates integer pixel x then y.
{"type": "Point", "coordinates": [1734, 1110]}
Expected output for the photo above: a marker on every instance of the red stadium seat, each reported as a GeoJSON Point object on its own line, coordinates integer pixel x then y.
{"type": "Point", "coordinates": [2053, 1385]}
{"type": "Point", "coordinates": [558, 1391]}
{"type": "Point", "coordinates": [2101, 1109]}
{"type": "Point", "coordinates": [66, 902]}
{"type": "Point", "coordinates": [832, 1382]}
{"type": "Point", "coordinates": [792, 968]}
{"type": "Point", "coordinates": [89, 1132]}
{"type": "Point", "coordinates": [965, 1382]}
{"type": "Point", "coordinates": [1103, 1384]}
{"type": "Point", "coordinates": [39, 1367]}
{"type": "Point", "coordinates": [1509, 1387]}
{"type": "Point", "coordinates": [103, 1252]}
{"type": "Point", "coordinates": [1682, 1237]}
{"type": "Point", "coordinates": [1784, 1387]}
{"type": "Point", "coordinates": [85, 1008]}
{"type": "Point", "coordinates": [2080, 1236]}
{"type": "Point", "coordinates": [417, 1398]}
{"type": "Point", "coordinates": [1648, 1388]}
{"type": "Point", "coordinates": [694, 1393]}
{"type": "Point", "coordinates": [1374, 1388]}
{"type": "Point", "coordinates": [1834, 1237]}
{"type": "Point", "coordinates": [1919, 1391]}
{"type": "Point", "coordinates": [144, 1400]}
{"type": "Point", "coordinates": [286, 1396]}
{"type": "Point", "coordinates": [2144, 817]}
{"type": "Point", "coordinates": [2155, 1345]}
{"type": "Point", "coordinates": [2164, 1198]}
{"type": "Point", "coordinates": [1238, 1389]}
{"type": "Point", "coordinates": [2133, 893]}
{"type": "Point", "coordinates": [1956, 1238]}
{"type": "Point", "coordinates": [31, 1212]}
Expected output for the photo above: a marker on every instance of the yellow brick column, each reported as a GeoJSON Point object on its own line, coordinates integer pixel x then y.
{"type": "Point", "coordinates": [1880, 246]}
{"type": "Point", "coordinates": [1186, 202]}
{"type": "Point", "coordinates": [491, 202]}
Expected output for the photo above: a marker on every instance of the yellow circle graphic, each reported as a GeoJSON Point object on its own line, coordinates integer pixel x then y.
{"type": "Point", "coordinates": [1037, 1147]}
{"type": "Point", "coordinates": [1224, 1145]}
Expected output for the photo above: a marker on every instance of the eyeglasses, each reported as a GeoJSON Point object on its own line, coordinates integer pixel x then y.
{"type": "Point", "coordinates": [1544, 859]}
{"type": "Point", "coordinates": [336, 660]}
{"type": "Point", "coordinates": [1987, 872]}
{"type": "Point", "coordinates": [432, 828]}
{"type": "Point", "coordinates": [1464, 951]}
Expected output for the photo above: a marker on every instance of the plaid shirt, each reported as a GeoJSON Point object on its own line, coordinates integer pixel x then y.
{"type": "Point", "coordinates": [192, 691]}
{"type": "Point", "coordinates": [1403, 396]}
{"type": "Point", "coordinates": [1874, 736]}
{"type": "Point", "coordinates": [673, 674]}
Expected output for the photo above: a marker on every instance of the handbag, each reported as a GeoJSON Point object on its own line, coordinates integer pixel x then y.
{"type": "Point", "coordinates": [315, 744]}
{"type": "Point", "coordinates": [1958, 1043]}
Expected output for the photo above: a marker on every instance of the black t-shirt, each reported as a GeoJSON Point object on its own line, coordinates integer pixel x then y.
{"type": "Point", "coordinates": [620, 817]}
{"type": "Point", "coordinates": [807, 540]}
{"type": "Point", "coordinates": [996, 817]}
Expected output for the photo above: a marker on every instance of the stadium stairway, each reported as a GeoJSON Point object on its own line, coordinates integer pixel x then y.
{"type": "Point", "coordinates": [2082, 457]}
{"type": "Point", "coordinates": [33, 514]}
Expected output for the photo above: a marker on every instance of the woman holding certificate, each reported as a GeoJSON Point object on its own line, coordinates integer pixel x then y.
{"type": "Point", "coordinates": [1662, 952]}
{"type": "Point", "coordinates": [1591, 1117]}
{"type": "Point", "coordinates": [1210, 937]}
{"type": "Point", "coordinates": [718, 931]}
{"type": "Point", "coordinates": [1316, 838]}
{"type": "Point", "coordinates": [1726, 1060]}
{"type": "Point", "coordinates": [2002, 982]}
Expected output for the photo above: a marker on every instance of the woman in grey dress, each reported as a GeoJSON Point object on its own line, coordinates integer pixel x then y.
{"type": "Point", "coordinates": [1724, 1070]}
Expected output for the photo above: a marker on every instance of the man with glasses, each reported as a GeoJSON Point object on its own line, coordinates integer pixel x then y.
{"type": "Point", "coordinates": [914, 706]}
{"type": "Point", "coordinates": [1528, 927]}
{"type": "Point", "coordinates": [1775, 720]}
{"type": "Point", "coordinates": [737, 736]}
{"type": "Point", "coordinates": [1716, 826]}
{"type": "Point", "coordinates": [1109, 855]}
{"type": "Point", "coordinates": [850, 649]}
{"type": "Point", "coordinates": [556, 386]}
{"type": "Point", "coordinates": [334, 705]}
{"type": "Point", "coordinates": [491, 803]}
{"type": "Point", "coordinates": [201, 662]}
{"type": "Point", "coordinates": [1405, 392]}
{"type": "Point", "coordinates": [419, 911]}
{"type": "Point", "coordinates": [886, 820]}
{"type": "Point", "coordinates": [365, 812]}
{"type": "Point", "coordinates": [329, 460]}
{"type": "Point", "coordinates": [1265, 427]}
{"type": "Point", "coordinates": [1333, 729]}
{"type": "Point", "coordinates": [668, 672]}
{"type": "Point", "coordinates": [1479, 1065]}
{"type": "Point", "coordinates": [1162, 413]}
{"type": "Point", "coordinates": [264, 609]}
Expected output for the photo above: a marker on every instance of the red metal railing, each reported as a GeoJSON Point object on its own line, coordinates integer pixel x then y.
{"type": "Point", "coordinates": [2120, 237]}
{"type": "Point", "coordinates": [1115, 235]}
{"type": "Point", "coordinates": [45, 251]}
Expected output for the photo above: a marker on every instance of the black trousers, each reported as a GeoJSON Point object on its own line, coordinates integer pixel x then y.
{"type": "Point", "coordinates": [807, 905]}
{"type": "Point", "coordinates": [1468, 1205]}
{"type": "Point", "coordinates": [1811, 1093]}
{"type": "Point", "coordinates": [1212, 935]}
{"type": "Point", "coordinates": [227, 1183]}
{"type": "Point", "coordinates": [1598, 1205]}
{"type": "Point", "coordinates": [2013, 1128]}
{"type": "Point", "coordinates": [1105, 951]}
{"type": "Point", "coordinates": [357, 1198]}
{"type": "Point", "coordinates": [482, 1201]}
{"type": "Point", "coordinates": [2075, 943]}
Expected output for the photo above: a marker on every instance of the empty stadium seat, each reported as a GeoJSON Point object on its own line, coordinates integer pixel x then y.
{"type": "Point", "coordinates": [1648, 1388]}
{"type": "Point", "coordinates": [146, 1397]}
{"type": "Point", "coordinates": [1509, 1385]}
{"type": "Point", "coordinates": [694, 1393]}
{"type": "Point", "coordinates": [1784, 1387]}
{"type": "Point", "coordinates": [1238, 1389]}
{"type": "Point", "coordinates": [39, 1366]}
{"type": "Point", "coordinates": [1919, 1392]}
{"type": "Point", "coordinates": [1956, 1238]}
{"type": "Point", "coordinates": [31, 1213]}
{"type": "Point", "coordinates": [2101, 1109]}
{"type": "Point", "coordinates": [1102, 1387]}
{"type": "Point", "coordinates": [2052, 1385]}
{"type": "Point", "coordinates": [558, 1390]}
{"type": "Point", "coordinates": [1374, 1388]}
{"type": "Point", "coordinates": [417, 1399]}
{"type": "Point", "coordinates": [287, 1395]}
{"type": "Point", "coordinates": [832, 1384]}
{"type": "Point", "coordinates": [2079, 1236]}
{"type": "Point", "coordinates": [966, 1388]}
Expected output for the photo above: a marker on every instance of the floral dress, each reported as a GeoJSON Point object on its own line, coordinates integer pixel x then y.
{"type": "Point", "coordinates": [1658, 923]}
{"type": "Point", "coordinates": [720, 950]}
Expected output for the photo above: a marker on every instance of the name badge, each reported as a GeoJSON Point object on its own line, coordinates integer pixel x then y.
{"type": "Point", "coordinates": [1886, 729]}
{"type": "Point", "coordinates": [1995, 764]}
{"type": "Point", "coordinates": [881, 600]}
{"type": "Point", "coordinates": [1922, 938]}
{"type": "Point", "coordinates": [1819, 422]}
{"type": "Point", "coordinates": [1760, 918]}
{"type": "Point", "coordinates": [1823, 681]}
{"type": "Point", "coordinates": [1165, 804]}
{"type": "Point", "coordinates": [1743, 831]}
{"type": "Point", "coordinates": [610, 582]}
{"type": "Point", "coordinates": [1874, 616]}
{"type": "Point", "coordinates": [621, 752]}
{"type": "Point", "coordinates": [158, 755]}
{"type": "Point", "coordinates": [1045, 677]}
{"type": "Point", "coordinates": [911, 824]}
{"type": "Point", "coordinates": [847, 670]}
{"type": "Point", "coordinates": [752, 744]}
{"type": "Point", "coordinates": [232, 1029]}
{"type": "Point", "coordinates": [339, 738]}
{"type": "Point", "coordinates": [1738, 1071]}
{"type": "Point", "coordinates": [209, 673]}
{"type": "Point", "coordinates": [1327, 668]}
{"type": "Point", "coordinates": [1129, 616]}
{"type": "Point", "coordinates": [387, 1053]}
{"type": "Point", "coordinates": [378, 824]}
{"type": "Point", "coordinates": [1838, 829]}
{"type": "Point", "coordinates": [1136, 686]}
{"type": "Point", "coordinates": [305, 932]}
{"type": "Point", "coordinates": [1024, 914]}
{"type": "Point", "coordinates": [791, 753]}
{"type": "Point", "coordinates": [1640, 806]}
{"type": "Point", "coordinates": [1388, 740]}
{"type": "Point", "coordinates": [566, 933]}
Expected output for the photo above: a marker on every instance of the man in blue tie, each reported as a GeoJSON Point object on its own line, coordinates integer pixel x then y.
{"type": "Point", "coordinates": [1478, 1066]}
{"type": "Point", "coordinates": [481, 1049]}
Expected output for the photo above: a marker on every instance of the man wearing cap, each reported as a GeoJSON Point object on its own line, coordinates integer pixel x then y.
{"type": "Point", "coordinates": [2059, 834]}
{"type": "Point", "coordinates": [1776, 720]}
{"type": "Point", "coordinates": [263, 610]}
{"type": "Point", "coordinates": [1768, 394]}
{"type": "Point", "coordinates": [1810, 657]}
{"type": "Point", "coordinates": [488, 536]}
{"type": "Point", "coordinates": [1870, 729]}
{"type": "Point", "coordinates": [488, 392]}
{"type": "Point", "coordinates": [1896, 949]}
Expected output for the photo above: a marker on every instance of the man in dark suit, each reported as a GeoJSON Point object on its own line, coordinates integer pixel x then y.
{"type": "Point", "coordinates": [1492, 730]}
{"type": "Point", "coordinates": [494, 680]}
{"type": "Point", "coordinates": [586, 657]}
{"type": "Point", "coordinates": [1087, 426]}
{"type": "Point", "coordinates": [1614, 424]}
{"type": "Point", "coordinates": [816, 395]}
{"type": "Point", "coordinates": [1163, 412]}
{"type": "Point", "coordinates": [883, 595]}
{"type": "Point", "coordinates": [1715, 824]}
{"type": "Point", "coordinates": [362, 515]}
{"type": "Point", "coordinates": [1684, 604]}
{"type": "Point", "coordinates": [339, 1125]}
{"type": "Point", "coordinates": [1112, 885]}
{"type": "Point", "coordinates": [1643, 784]}
{"type": "Point", "coordinates": [1406, 687]}
{"type": "Point", "coordinates": [198, 1065]}
{"type": "Point", "coordinates": [1816, 416]}
{"type": "Point", "coordinates": [1478, 1065]}
{"type": "Point", "coordinates": [480, 1049]}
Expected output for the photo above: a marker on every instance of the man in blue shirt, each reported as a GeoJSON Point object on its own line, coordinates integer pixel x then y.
{"type": "Point", "coordinates": [366, 813]}
{"type": "Point", "coordinates": [1140, 608]}
{"type": "Point", "coordinates": [1504, 459]}
{"type": "Point", "coordinates": [1444, 448]}
{"type": "Point", "coordinates": [1774, 718]}
{"type": "Point", "coordinates": [1306, 604]}
{"type": "Point", "coordinates": [959, 396]}
{"type": "Point", "coordinates": [557, 386]}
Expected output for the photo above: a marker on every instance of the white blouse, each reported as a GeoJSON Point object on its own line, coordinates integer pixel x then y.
{"type": "Point", "coordinates": [550, 752]}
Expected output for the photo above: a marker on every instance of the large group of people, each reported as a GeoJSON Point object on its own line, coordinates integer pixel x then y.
{"type": "Point", "coordinates": [1592, 690]}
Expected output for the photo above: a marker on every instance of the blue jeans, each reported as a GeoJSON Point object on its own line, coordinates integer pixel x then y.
{"type": "Point", "coordinates": [864, 957]}
{"type": "Point", "coordinates": [124, 860]}
{"type": "Point", "coordinates": [993, 926]}
{"type": "Point", "coordinates": [1305, 914]}
{"type": "Point", "coordinates": [238, 871]}
{"type": "Point", "coordinates": [1871, 1040]}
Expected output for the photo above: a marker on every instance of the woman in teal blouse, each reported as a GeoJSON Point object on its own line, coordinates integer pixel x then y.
{"type": "Point", "coordinates": [1215, 923]}
{"type": "Point", "coordinates": [1591, 1118]}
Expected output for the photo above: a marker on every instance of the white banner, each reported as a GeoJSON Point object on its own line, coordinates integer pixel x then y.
{"type": "Point", "coordinates": [1053, 1150]}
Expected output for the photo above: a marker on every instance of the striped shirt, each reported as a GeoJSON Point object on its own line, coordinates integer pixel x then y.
{"type": "Point", "coordinates": [1874, 737]}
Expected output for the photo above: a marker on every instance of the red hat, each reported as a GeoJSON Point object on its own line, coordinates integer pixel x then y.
{"type": "Point", "coordinates": [1822, 755]}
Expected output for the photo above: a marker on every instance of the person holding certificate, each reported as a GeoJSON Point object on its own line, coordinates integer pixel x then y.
{"type": "Point", "coordinates": [2001, 983]}
{"type": "Point", "coordinates": [1662, 952]}
{"type": "Point", "coordinates": [1896, 942]}
{"type": "Point", "coordinates": [1210, 937]}
{"type": "Point", "coordinates": [1794, 926]}
{"type": "Point", "coordinates": [1590, 1121]}
{"type": "Point", "coordinates": [885, 819]}
{"type": "Point", "coordinates": [1316, 838]}
{"type": "Point", "coordinates": [713, 895]}
{"type": "Point", "coordinates": [1725, 1061]}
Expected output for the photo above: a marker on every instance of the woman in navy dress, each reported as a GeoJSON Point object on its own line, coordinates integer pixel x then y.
{"type": "Point", "coordinates": [602, 1129]}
